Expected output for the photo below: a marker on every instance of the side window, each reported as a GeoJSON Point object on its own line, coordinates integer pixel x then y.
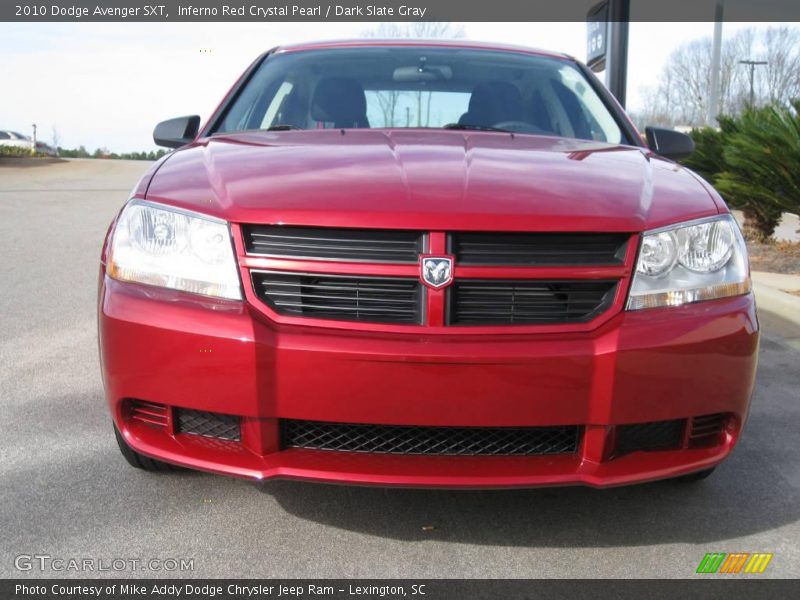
{"type": "Point", "coordinates": [4, 136]}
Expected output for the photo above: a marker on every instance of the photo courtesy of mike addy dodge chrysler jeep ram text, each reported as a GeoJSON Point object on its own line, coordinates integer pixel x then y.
{"type": "Point", "coordinates": [422, 264]}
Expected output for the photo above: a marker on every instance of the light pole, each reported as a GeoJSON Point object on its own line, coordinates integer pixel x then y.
{"type": "Point", "coordinates": [752, 64]}
{"type": "Point", "coordinates": [713, 96]}
{"type": "Point", "coordinates": [619, 15]}
{"type": "Point", "coordinates": [33, 146]}
{"type": "Point", "coordinates": [607, 43]}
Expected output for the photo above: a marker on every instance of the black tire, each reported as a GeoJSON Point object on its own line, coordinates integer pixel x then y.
{"type": "Point", "coordinates": [699, 476]}
{"type": "Point", "coordinates": [140, 461]}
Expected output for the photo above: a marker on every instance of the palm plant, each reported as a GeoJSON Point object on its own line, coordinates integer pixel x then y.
{"type": "Point", "coordinates": [762, 165]}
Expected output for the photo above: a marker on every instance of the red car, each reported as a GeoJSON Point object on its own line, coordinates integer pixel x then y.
{"type": "Point", "coordinates": [425, 264]}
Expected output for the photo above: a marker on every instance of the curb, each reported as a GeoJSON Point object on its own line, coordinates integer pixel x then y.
{"type": "Point", "coordinates": [777, 302]}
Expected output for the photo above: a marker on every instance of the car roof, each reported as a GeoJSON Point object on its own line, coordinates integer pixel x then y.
{"type": "Point", "coordinates": [406, 42]}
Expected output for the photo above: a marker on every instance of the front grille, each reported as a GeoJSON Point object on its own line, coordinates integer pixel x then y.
{"type": "Point", "coordinates": [519, 302]}
{"type": "Point", "coordinates": [207, 424]}
{"type": "Point", "coordinates": [342, 297]}
{"type": "Point", "coordinates": [656, 435]}
{"type": "Point", "coordinates": [388, 290]}
{"type": "Point", "coordinates": [149, 413]}
{"type": "Point", "coordinates": [334, 244]}
{"type": "Point", "coordinates": [706, 430]}
{"type": "Point", "coordinates": [396, 439]}
{"type": "Point", "coordinates": [532, 249]}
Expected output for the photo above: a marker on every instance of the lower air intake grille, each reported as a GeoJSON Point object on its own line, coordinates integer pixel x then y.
{"type": "Point", "coordinates": [207, 424]}
{"type": "Point", "coordinates": [396, 439]}
{"type": "Point", "coordinates": [517, 302]}
{"type": "Point", "coordinates": [658, 435]}
{"type": "Point", "coordinates": [707, 430]}
{"type": "Point", "coordinates": [341, 297]}
{"type": "Point", "coordinates": [149, 413]}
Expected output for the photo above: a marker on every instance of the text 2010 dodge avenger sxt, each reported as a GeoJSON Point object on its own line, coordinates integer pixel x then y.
{"type": "Point", "coordinates": [425, 264]}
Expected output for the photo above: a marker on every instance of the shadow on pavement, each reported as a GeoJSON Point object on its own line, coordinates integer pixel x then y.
{"type": "Point", "coordinates": [755, 490]}
{"type": "Point", "coordinates": [750, 493]}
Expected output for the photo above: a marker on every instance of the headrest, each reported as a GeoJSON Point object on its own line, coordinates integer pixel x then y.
{"type": "Point", "coordinates": [496, 101]}
{"type": "Point", "coordinates": [340, 100]}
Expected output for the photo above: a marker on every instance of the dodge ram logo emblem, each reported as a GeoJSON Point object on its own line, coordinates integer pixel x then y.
{"type": "Point", "coordinates": [437, 271]}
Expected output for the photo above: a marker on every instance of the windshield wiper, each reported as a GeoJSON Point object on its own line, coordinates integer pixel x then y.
{"type": "Point", "coordinates": [283, 127]}
{"type": "Point", "coordinates": [474, 127]}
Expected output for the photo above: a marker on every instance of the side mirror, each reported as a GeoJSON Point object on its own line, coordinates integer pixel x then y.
{"type": "Point", "coordinates": [176, 132]}
{"type": "Point", "coordinates": [669, 143]}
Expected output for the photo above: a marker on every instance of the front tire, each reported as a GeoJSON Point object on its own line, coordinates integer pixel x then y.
{"type": "Point", "coordinates": [699, 476]}
{"type": "Point", "coordinates": [140, 461]}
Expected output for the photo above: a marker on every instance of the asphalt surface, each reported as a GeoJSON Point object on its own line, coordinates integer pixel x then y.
{"type": "Point", "coordinates": [66, 492]}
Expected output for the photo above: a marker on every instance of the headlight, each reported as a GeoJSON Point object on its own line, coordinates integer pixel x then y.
{"type": "Point", "coordinates": [172, 248]}
{"type": "Point", "coordinates": [701, 260]}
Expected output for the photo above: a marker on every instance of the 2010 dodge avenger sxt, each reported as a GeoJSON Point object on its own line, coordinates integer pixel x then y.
{"type": "Point", "coordinates": [425, 264]}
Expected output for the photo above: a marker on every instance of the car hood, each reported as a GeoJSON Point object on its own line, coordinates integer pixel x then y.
{"type": "Point", "coordinates": [430, 180]}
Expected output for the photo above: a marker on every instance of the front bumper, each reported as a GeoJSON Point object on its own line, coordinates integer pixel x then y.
{"type": "Point", "coordinates": [224, 357]}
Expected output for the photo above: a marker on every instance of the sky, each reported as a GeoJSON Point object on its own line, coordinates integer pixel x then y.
{"type": "Point", "coordinates": [108, 84]}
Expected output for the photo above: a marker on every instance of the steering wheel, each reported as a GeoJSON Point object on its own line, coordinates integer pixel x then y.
{"type": "Point", "coordinates": [518, 127]}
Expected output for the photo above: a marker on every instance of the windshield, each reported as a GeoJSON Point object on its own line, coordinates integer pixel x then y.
{"type": "Point", "coordinates": [397, 87]}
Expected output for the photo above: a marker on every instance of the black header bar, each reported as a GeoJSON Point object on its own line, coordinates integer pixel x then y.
{"type": "Point", "coordinates": [383, 10]}
{"type": "Point", "coordinates": [710, 588]}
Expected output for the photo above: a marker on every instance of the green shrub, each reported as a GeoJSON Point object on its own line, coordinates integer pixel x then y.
{"type": "Point", "coordinates": [709, 145]}
{"type": "Point", "coordinates": [761, 172]}
{"type": "Point", "coordinates": [754, 162]}
{"type": "Point", "coordinates": [17, 151]}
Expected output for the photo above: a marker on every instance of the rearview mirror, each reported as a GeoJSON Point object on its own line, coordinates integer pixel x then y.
{"type": "Point", "coordinates": [177, 132]}
{"type": "Point", "coordinates": [669, 143]}
{"type": "Point", "coordinates": [423, 73]}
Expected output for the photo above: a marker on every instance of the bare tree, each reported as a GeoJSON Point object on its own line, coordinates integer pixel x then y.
{"type": "Point", "coordinates": [781, 74]}
{"type": "Point", "coordinates": [422, 29]}
{"type": "Point", "coordinates": [388, 100]}
{"type": "Point", "coordinates": [681, 96]}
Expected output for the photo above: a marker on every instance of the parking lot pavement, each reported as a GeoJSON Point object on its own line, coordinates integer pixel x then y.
{"type": "Point", "coordinates": [66, 492]}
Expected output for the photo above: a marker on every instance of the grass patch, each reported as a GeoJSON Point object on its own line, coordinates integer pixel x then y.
{"type": "Point", "coordinates": [775, 257]}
